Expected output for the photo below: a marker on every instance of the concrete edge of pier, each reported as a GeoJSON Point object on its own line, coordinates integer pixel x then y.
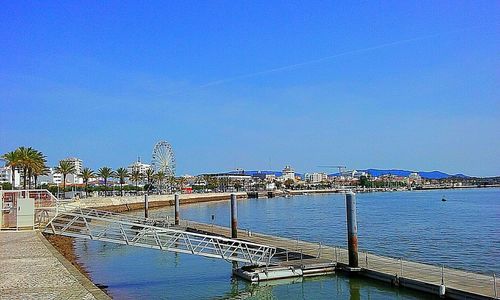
{"type": "Point", "coordinates": [32, 268]}
{"type": "Point", "coordinates": [82, 279]}
{"type": "Point", "coordinates": [129, 203]}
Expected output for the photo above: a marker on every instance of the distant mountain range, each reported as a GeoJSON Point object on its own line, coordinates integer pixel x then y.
{"type": "Point", "coordinates": [406, 173]}
{"type": "Point", "coordinates": [372, 172]}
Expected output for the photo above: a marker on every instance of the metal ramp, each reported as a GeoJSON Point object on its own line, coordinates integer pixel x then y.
{"type": "Point", "coordinates": [74, 221]}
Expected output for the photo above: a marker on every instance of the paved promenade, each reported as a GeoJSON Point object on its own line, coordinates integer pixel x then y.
{"type": "Point", "coordinates": [31, 268]}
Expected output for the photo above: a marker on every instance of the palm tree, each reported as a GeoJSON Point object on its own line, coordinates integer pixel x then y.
{"type": "Point", "coordinates": [13, 160]}
{"type": "Point", "coordinates": [181, 181]}
{"type": "Point", "coordinates": [105, 173]}
{"type": "Point", "coordinates": [30, 161]}
{"type": "Point", "coordinates": [65, 168]}
{"type": "Point", "coordinates": [136, 176]}
{"type": "Point", "coordinates": [160, 176]}
{"type": "Point", "coordinates": [38, 171]}
{"type": "Point", "coordinates": [86, 174]}
{"type": "Point", "coordinates": [121, 173]}
{"type": "Point", "coordinates": [150, 173]}
{"type": "Point", "coordinates": [36, 166]}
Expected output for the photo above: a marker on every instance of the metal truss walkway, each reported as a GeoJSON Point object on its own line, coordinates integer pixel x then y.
{"type": "Point", "coordinates": [74, 221]}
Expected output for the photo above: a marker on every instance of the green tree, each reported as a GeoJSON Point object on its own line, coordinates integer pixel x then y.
{"type": "Point", "coordinates": [363, 181]}
{"type": "Point", "coordinates": [86, 174]}
{"type": "Point", "coordinates": [28, 160]}
{"type": "Point", "coordinates": [6, 186]}
{"type": "Point", "coordinates": [237, 185]}
{"type": "Point", "coordinates": [36, 166]}
{"type": "Point", "coordinates": [105, 173]}
{"type": "Point", "coordinates": [289, 183]}
{"type": "Point", "coordinates": [65, 168]}
{"type": "Point", "coordinates": [181, 181]}
{"type": "Point", "coordinates": [13, 160]}
{"type": "Point", "coordinates": [38, 171]}
{"type": "Point", "coordinates": [211, 182]}
{"type": "Point", "coordinates": [171, 182]}
{"type": "Point", "coordinates": [160, 177]}
{"type": "Point", "coordinates": [121, 174]}
{"type": "Point", "coordinates": [278, 184]}
{"type": "Point", "coordinates": [136, 176]}
{"type": "Point", "coordinates": [150, 173]}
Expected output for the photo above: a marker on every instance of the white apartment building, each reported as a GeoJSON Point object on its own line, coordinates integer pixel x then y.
{"type": "Point", "coordinates": [76, 162]}
{"type": "Point", "coordinates": [288, 173]}
{"type": "Point", "coordinates": [138, 166]}
{"type": "Point", "coordinates": [51, 178]}
{"type": "Point", "coordinates": [6, 175]}
{"type": "Point", "coordinates": [73, 178]}
{"type": "Point", "coordinates": [414, 178]}
{"type": "Point", "coordinates": [315, 177]}
{"type": "Point", "coordinates": [353, 174]}
{"type": "Point", "coordinates": [270, 177]}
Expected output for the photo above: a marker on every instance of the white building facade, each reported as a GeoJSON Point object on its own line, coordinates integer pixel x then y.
{"type": "Point", "coordinates": [138, 166]}
{"type": "Point", "coordinates": [71, 178]}
{"type": "Point", "coordinates": [315, 177]}
{"type": "Point", "coordinates": [288, 173]}
{"type": "Point", "coordinates": [6, 174]}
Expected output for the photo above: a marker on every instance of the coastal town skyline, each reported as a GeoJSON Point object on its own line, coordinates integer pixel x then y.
{"type": "Point", "coordinates": [326, 168]}
{"type": "Point", "coordinates": [323, 170]}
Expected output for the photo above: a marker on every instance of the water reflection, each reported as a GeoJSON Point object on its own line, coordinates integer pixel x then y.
{"type": "Point", "coordinates": [354, 288]}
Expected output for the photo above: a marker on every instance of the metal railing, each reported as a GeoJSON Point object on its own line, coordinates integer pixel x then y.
{"type": "Point", "coordinates": [295, 249]}
{"type": "Point", "coordinates": [74, 221]}
{"type": "Point", "coordinates": [44, 204]}
{"type": "Point", "coordinates": [434, 274]}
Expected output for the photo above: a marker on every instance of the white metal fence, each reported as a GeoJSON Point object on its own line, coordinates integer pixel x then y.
{"type": "Point", "coordinates": [25, 209]}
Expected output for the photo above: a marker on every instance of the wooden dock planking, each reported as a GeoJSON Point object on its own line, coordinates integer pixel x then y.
{"type": "Point", "coordinates": [468, 282]}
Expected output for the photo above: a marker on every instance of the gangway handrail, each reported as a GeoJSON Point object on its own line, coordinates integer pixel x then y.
{"type": "Point", "coordinates": [152, 226]}
{"type": "Point", "coordinates": [75, 221]}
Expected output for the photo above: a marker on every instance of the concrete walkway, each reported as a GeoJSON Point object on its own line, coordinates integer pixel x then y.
{"type": "Point", "coordinates": [31, 268]}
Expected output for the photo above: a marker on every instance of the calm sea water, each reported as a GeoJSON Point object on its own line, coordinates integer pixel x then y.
{"type": "Point", "coordinates": [463, 232]}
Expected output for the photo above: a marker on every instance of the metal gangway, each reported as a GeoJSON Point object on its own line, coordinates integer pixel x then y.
{"type": "Point", "coordinates": [74, 221]}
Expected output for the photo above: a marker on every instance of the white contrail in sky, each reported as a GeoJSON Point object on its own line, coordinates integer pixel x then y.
{"type": "Point", "coordinates": [325, 58]}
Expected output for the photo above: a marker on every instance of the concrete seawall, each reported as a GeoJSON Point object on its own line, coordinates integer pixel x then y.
{"type": "Point", "coordinates": [127, 203]}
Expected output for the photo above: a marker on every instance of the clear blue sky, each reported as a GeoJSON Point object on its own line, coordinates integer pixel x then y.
{"type": "Point", "coordinates": [397, 84]}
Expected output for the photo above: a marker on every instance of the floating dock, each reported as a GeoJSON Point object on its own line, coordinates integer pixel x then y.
{"type": "Point", "coordinates": [296, 258]}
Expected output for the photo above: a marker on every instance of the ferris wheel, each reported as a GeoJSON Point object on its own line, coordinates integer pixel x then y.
{"type": "Point", "coordinates": [163, 158]}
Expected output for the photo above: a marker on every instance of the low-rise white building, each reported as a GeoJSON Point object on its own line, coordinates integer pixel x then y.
{"type": "Point", "coordinates": [288, 173]}
{"type": "Point", "coordinates": [352, 174]}
{"type": "Point", "coordinates": [414, 178]}
{"type": "Point", "coordinates": [270, 177]}
{"type": "Point", "coordinates": [315, 177]}
{"type": "Point", "coordinates": [52, 177]}
{"type": "Point", "coordinates": [138, 166]}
